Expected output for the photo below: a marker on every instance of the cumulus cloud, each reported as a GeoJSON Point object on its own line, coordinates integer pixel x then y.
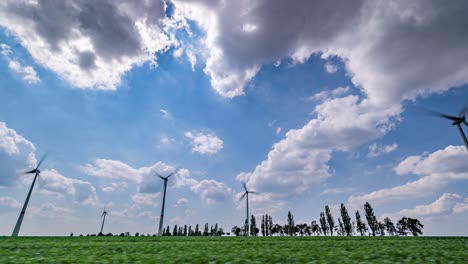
{"type": "Point", "coordinates": [327, 94]}
{"type": "Point", "coordinates": [452, 159]}
{"type": "Point", "coordinates": [115, 187]}
{"type": "Point", "coordinates": [51, 211]}
{"type": "Point", "coordinates": [27, 72]}
{"type": "Point", "coordinates": [9, 203]}
{"type": "Point", "coordinates": [330, 68]}
{"type": "Point", "coordinates": [182, 202]}
{"type": "Point", "coordinates": [375, 150]}
{"type": "Point", "coordinates": [241, 36]}
{"type": "Point", "coordinates": [299, 161]}
{"type": "Point", "coordinates": [90, 44]}
{"type": "Point", "coordinates": [150, 186]}
{"type": "Point", "coordinates": [437, 170]}
{"type": "Point", "coordinates": [52, 182]}
{"type": "Point", "coordinates": [145, 198]}
{"type": "Point", "coordinates": [17, 154]}
{"type": "Point", "coordinates": [447, 204]}
{"type": "Point", "coordinates": [211, 191]}
{"type": "Point", "coordinates": [202, 143]}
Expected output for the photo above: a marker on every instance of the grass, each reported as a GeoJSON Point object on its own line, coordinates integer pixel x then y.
{"type": "Point", "coordinates": [234, 250]}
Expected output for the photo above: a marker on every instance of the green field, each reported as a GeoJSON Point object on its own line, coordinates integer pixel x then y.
{"type": "Point", "coordinates": [234, 250]}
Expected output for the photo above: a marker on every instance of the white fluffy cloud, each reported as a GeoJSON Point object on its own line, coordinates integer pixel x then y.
{"type": "Point", "coordinates": [28, 72]}
{"type": "Point", "coordinates": [211, 191]}
{"type": "Point", "coordinates": [150, 186]}
{"type": "Point", "coordinates": [243, 35]}
{"type": "Point", "coordinates": [330, 68]}
{"type": "Point", "coordinates": [207, 143]}
{"type": "Point", "coordinates": [376, 150]}
{"type": "Point", "coordinates": [452, 159]}
{"type": "Point", "coordinates": [52, 182]}
{"type": "Point", "coordinates": [299, 161]}
{"type": "Point", "coordinates": [17, 154]}
{"type": "Point", "coordinates": [90, 44]}
{"type": "Point", "coordinates": [446, 204]}
{"type": "Point", "coordinates": [9, 203]}
{"type": "Point", "coordinates": [437, 170]}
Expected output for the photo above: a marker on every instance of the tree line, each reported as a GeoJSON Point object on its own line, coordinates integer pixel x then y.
{"type": "Point", "coordinates": [327, 225]}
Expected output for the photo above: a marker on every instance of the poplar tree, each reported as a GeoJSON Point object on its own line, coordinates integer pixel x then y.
{"type": "Point", "coordinates": [371, 219]}
{"type": "Point", "coordinates": [262, 227]}
{"type": "Point", "coordinates": [330, 220]}
{"type": "Point", "coordinates": [360, 225]}
{"type": "Point", "coordinates": [253, 226]}
{"type": "Point", "coordinates": [290, 226]}
{"type": "Point", "coordinates": [348, 226]}
{"type": "Point", "coordinates": [323, 223]}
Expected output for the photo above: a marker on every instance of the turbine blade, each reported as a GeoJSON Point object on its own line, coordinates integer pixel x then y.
{"type": "Point", "coordinates": [41, 160]}
{"type": "Point", "coordinates": [175, 172]}
{"type": "Point", "coordinates": [245, 186]}
{"type": "Point", "coordinates": [453, 118]}
{"type": "Point", "coordinates": [242, 197]}
{"type": "Point", "coordinates": [254, 192]}
{"type": "Point", "coordinates": [466, 124]}
{"type": "Point", "coordinates": [31, 171]}
{"type": "Point", "coordinates": [162, 177]}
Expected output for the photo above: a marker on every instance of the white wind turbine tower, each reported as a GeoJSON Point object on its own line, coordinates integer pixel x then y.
{"type": "Point", "coordinates": [103, 216]}
{"type": "Point", "coordinates": [161, 219]}
{"type": "Point", "coordinates": [36, 172]}
{"type": "Point", "coordinates": [246, 195]}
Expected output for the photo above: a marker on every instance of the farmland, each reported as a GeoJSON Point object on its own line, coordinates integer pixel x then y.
{"type": "Point", "coordinates": [234, 249]}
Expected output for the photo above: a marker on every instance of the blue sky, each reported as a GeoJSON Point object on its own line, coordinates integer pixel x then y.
{"type": "Point", "coordinates": [308, 112]}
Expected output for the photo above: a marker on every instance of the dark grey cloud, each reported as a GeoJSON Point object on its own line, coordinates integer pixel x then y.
{"type": "Point", "coordinates": [393, 50]}
{"type": "Point", "coordinates": [89, 43]}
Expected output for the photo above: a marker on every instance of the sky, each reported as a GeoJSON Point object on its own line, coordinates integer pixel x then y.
{"type": "Point", "coordinates": [310, 103]}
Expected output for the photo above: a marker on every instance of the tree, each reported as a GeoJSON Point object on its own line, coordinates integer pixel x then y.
{"type": "Point", "coordinates": [411, 225]}
{"type": "Point", "coordinates": [174, 231]}
{"type": "Point", "coordinates": [236, 230]}
{"type": "Point", "coordinates": [389, 226]}
{"type": "Point", "coordinates": [185, 230]}
{"type": "Point", "coordinates": [263, 225]}
{"type": "Point", "coordinates": [270, 224]}
{"type": "Point", "coordinates": [331, 222]}
{"type": "Point", "coordinates": [340, 230]}
{"type": "Point", "coordinates": [360, 225]}
{"type": "Point", "coordinates": [315, 228]}
{"type": "Point", "coordinates": [302, 229]}
{"type": "Point", "coordinates": [323, 223]}
{"type": "Point", "coordinates": [216, 229]}
{"type": "Point", "coordinates": [168, 232]}
{"type": "Point", "coordinates": [253, 226]}
{"type": "Point", "coordinates": [380, 228]}
{"type": "Point", "coordinates": [290, 226]}
{"type": "Point", "coordinates": [196, 230]}
{"type": "Point", "coordinates": [277, 229]}
{"type": "Point", "coordinates": [205, 231]}
{"type": "Point", "coordinates": [190, 230]}
{"type": "Point", "coordinates": [371, 220]}
{"type": "Point", "coordinates": [348, 226]}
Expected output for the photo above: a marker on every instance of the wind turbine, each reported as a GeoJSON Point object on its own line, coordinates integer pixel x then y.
{"type": "Point", "coordinates": [246, 195]}
{"type": "Point", "coordinates": [161, 219]}
{"type": "Point", "coordinates": [457, 121]}
{"type": "Point", "coordinates": [103, 216]}
{"type": "Point", "coordinates": [36, 171]}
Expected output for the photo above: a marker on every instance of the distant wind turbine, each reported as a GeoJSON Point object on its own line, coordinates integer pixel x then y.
{"type": "Point", "coordinates": [457, 121]}
{"type": "Point", "coordinates": [161, 219]}
{"type": "Point", "coordinates": [246, 195]}
{"type": "Point", "coordinates": [36, 171]}
{"type": "Point", "coordinates": [103, 216]}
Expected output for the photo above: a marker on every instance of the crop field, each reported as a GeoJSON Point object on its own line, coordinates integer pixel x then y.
{"type": "Point", "coordinates": [234, 249]}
